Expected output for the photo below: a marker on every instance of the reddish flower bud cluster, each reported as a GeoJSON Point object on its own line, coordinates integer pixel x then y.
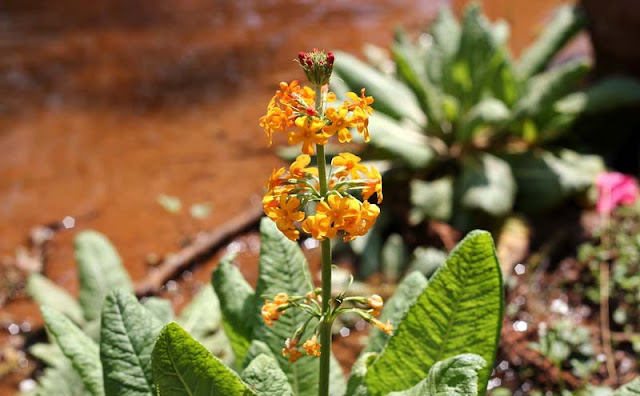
{"type": "Point", "coordinates": [317, 65]}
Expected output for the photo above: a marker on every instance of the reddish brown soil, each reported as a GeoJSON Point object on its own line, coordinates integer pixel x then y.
{"type": "Point", "coordinates": [105, 105]}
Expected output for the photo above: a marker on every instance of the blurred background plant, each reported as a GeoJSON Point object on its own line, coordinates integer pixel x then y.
{"type": "Point", "coordinates": [468, 135]}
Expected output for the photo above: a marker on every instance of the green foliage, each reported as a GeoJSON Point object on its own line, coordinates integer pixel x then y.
{"type": "Point", "coordinates": [456, 376]}
{"type": "Point", "coordinates": [183, 366]}
{"type": "Point", "coordinates": [630, 389]}
{"type": "Point", "coordinates": [460, 311]}
{"type": "Point", "coordinates": [99, 270]}
{"type": "Point", "coordinates": [46, 293]}
{"type": "Point", "coordinates": [265, 376]}
{"type": "Point", "coordinates": [127, 337]}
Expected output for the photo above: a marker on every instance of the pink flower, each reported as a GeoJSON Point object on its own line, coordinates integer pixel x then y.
{"type": "Point", "coordinates": [615, 189]}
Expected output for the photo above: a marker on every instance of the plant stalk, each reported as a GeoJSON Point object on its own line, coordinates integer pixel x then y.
{"type": "Point", "coordinates": [325, 325]}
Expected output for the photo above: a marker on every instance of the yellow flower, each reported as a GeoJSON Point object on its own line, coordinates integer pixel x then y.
{"type": "Point", "coordinates": [284, 212]}
{"type": "Point", "coordinates": [350, 163]}
{"type": "Point", "coordinates": [375, 302]}
{"type": "Point", "coordinates": [276, 120]}
{"type": "Point", "coordinates": [373, 184]}
{"type": "Point", "coordinates": [339, 209]}
{"type": "Point", "coordinates": [298, 168]}
{"type": "Point", "coordinates": [359, 105]}
{"type": "Point", "coordinates": [385, 327]}
{"type": "Point", "coordinates": [339, 123]}
{"type": "Point", "coordinates": [276, 179]}
{"type": "Point", "coordinates": [270, 312]}
{"type": "Point", "coordinates": [312, 347]}
{"type": "Point", "coordinates": [281, 299]}
{"type": "Point", "coordinates": [291, 350]}
{"type": "Point", "coordinates": [362, 224]}
{"type": "Point", "coordinates": [319, 227]}
{"type": "Point", "coordinates": [309, 132]}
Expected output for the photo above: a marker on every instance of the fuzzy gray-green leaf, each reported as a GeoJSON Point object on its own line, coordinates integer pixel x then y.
{"type": "Point", "coordinates": [265, 377]}
{"type": "Point", "coordinates": [81, 350]}
{"type": "Point", "coordinates": [100, 270]}
{"type": "Point", "coordinates": [182, 366]}
{"type": "Point", "coordinates": [459, 312]}
{"type": "Point", "coordinates": [45, 292]}
{"type": "Point", "coordinates": [127, 337]}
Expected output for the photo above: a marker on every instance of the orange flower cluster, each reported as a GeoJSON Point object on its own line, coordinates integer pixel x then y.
{"type": "Point", "coordinates": [288, 192]}
{"type": "Point", "coordinates": [271, 311]}
{"type": "Point", "coordinates": [292, 110]}
{"type": "Point", "coordinates": [376, 303]}
{"type": "Point", "coordinates": [291, 350]}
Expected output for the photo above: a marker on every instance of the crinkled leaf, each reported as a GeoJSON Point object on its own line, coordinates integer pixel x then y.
{"type": "Point", "coordinates": [486, 113]}
{"type": "Point", "coordinates": [356, 385]}
{"type": "Point", "coordinates": [391, 97]}
{"type": "Point", "coordinates": [431, 200]}
{"type": "Point", "coordinates": [546, 179]}
{"type": "Point", "coordinates": [45, 292]}
{"type": "Point", "coordinates": [202, 317]}
{"type": "Point", "coordinates": [81, 350]}
{"type": "Point", "coordinates": [100, 270]}
{"type": "Point", "coordinates": [486, 184]}
{"type": "Point", "coordinates": [283, 268]}
{"type": "Point", "coordinates": [256, 348]}
{"type": "Point", "coordinates": [404, 144]}
{"type": "Point", "coordinates": [265, 377]}
{"type": "Point", "coordinates": [237, 303]}
{"type": "Point", "coordinates": [160, 308]}
{"type": "Point", "coordinates": [127, 337]}
{"type": "Point", "coordinates": [456, 376]}
{"type": "Point", "coordinates": [397, 307]}
{"type": "Point", "coordinates": [566, 23]}
{"type": "Point", "coordinates": [427, 260]}
{"type": "Point", "coordinates": [630, 389]}
{"type": "Point", "coordinates": [49, 353]}
{"type": "Point", "coordinates": [459, 312]}
{"type": "Point", "coordinates": [61, 380]}
{"type": "Point", "coordinates": [183, 366]}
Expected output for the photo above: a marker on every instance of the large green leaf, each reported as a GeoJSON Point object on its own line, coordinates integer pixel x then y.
{"type": "Point", "coordinates": [606, 95]}
{"type": "Point", "coordinates": [391, 96]}
{"type": "Point", "coordinates": [283, 268]}
{"type": "Point", "coordinates": [486, 113]}
{"type": "Point", "coordinates": [183, 366]}
{"type": "Point", "coordinates": [397, 307]}
{"type": "Point", "coordinates": [356, 385]}
{"type": "Point", "coordinates": [237, 303]}
{"type": "Point", "coordinates": [256, 349]}
{"type": "Point", "coordinates": [459, 312]}
{"type": "Point", "coordinates": [99, 270]}
{"type": "Point", "coordinates": [81, 350]}
{"type": "Point", "coordinates": [566, 23]}
{"type": "Point", "coordinates": [546, 179]}
{"type": "Point", "coordinates": [545, 88]}
{"type": "Point", "coordinates": [127, 336]}
{"type": "Point", "coordinates": [630, 389]}
{"type": "Point", "coordinates": [202, 317]}
{"type": "Point", "coordinates": [445, 30]}
{"type": "Point", "coordinates": [265, 377]}
{"type": "Point", "coordinates": [61, 380]}
{"type": "Point", "coordinates": [404, 144]}
{"type": "Point", "coordinates": [486, 184]}
{"type": "Point", "coordinates": [160, 308]}
{"type": "Point", "coordinates": [456, 376]}
{"type": "Point", "coordinates": [45, 292]}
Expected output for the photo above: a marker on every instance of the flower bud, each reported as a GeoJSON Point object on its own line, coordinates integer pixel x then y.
{"type": "Point", "coordinates": [317, 65]}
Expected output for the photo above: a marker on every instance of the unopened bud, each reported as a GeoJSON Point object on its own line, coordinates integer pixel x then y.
{"type": "Point", "coordinates": [317, 65]}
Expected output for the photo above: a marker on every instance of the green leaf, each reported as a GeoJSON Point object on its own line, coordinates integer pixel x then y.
{"type": "Point", "coordinates": [61, 380]}
{"type": "Point", "coordinates": [160, 308]}
{"type": "Point", "coordinates": [397, 307]}
{"type": "Point", "coordinates": [49, 353]}
{"type": "Point", "coordinates": [81, 350]}
{"type": "Point", "coordinates": [45, 292]}
{"type": "Point", "coordinates": [283, 268]}
{"type": "Point", "coordinates": [486, 113]}
{"type": "Point", "coordinates": [404, 144]}
{"type": "Point", "coordinates": [545, 88]}
{"type": "Point", "coordinates": [427, 260]}
{"type": "Point", "coordinates": [265, 377]}
{"type": "Point", "coordinates": [486, 184]}
{"type": "Point", "coordinates": [431, 200]}
{"type": "Point", "coordinates": [255, 349]}
{"type": "Point", "coordinates": [127, 337]}
{"type": "Point", "coordinates": [99, 270]}
{"type": "Point", "coordinates": [606, 95]}
{"type": "Point", "coordinates": [459, 312]}
{"type": "Point", "coordinates": [237, 303]}
{"type": "Point", "coordinates": [546, 179]}
{"type": "Point", "coordinates": [183, 366]}
{"type": "Point", "coordinates": [445, 30]}
{"type": "Point", "coordinates": [630, 389]}
{"type": "Point", "coordinates": [356, 385]}
{"type": "Point", "coordinates": [394, 257]}
{"type": "Point", "coordinates": [202, 317]}
{"type": "Point", "coordinates": [456, 376]}
{"type": "Point", "coordinates": [566, 23]}
{"type": "Point", "coordinates": [391, 96]}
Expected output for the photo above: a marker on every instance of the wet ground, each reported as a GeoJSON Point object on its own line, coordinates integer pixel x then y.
{"type": "Point", "coordinates": [105, 106]}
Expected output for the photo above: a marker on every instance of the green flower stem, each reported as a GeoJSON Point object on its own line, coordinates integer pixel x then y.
{"type": "Point", "coordinates": [325, 325]}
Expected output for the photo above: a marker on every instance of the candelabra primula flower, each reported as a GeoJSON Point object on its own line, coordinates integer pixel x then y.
{"type": "Point", "coordinates": [385, 327]}
{"type": "Point", "coordinates": [349, 165]}
{"type": "Point", "coordinates": [291, 350]}
{"type": "Point", "coordinates": [312, 346]}
{"type": "Point", "coordinates": [271, 311]}
{"type": "Point", "coordinates": [375, 302]}
{"type": "Point", "coordinates": [339, 122]}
